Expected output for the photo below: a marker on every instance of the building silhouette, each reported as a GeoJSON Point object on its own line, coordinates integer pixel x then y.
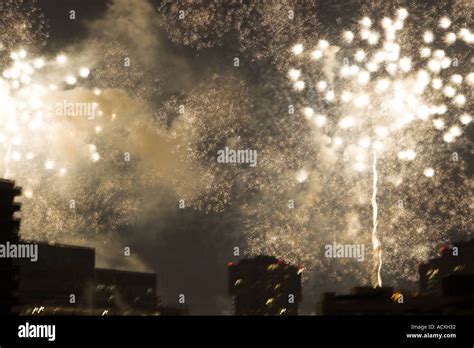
{"type": "Point", "coordinates": [361, 300]}
{"type": "Point", "coordinates": [64, 280]}
{"type": "Point", "coordinates": [264, 286]}
{"type": "Point", "coordinates": [9, 226]}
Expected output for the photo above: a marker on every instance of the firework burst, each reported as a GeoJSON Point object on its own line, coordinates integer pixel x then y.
{"type": "Point", "coordinates": [374, 99]}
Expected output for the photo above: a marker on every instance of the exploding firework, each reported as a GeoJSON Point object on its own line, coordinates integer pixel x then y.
{"type": "Point", "coordinates": [49, 130]}
{"type": "Point", "coordinates": [373, 98]}
{"type": "Point", "coordinates": [202, 25]}
{"type": "Point", "coordinates": [23, 25]}
{"type": "Point", "coordinates": [389, 98]}
{"type": "Point", "coordinates": [202, 123]}
{"type": "Point", "coordinates": [32, 112]}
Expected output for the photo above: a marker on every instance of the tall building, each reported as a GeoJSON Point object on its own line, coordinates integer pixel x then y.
{"type": "Point", "coordinates": [64, 280]}
{"type": "Point", "coordinates": [58, 278]}
{"type": "Point", "coordinates": [265, 286]}
{"type": "Point", "coordinates": [9, 226]}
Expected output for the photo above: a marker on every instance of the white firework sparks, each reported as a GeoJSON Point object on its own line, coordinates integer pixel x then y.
{"type": "Point", "coordinates": [380, 90]}
{"type": "Point", "coordinates": [30, 123]}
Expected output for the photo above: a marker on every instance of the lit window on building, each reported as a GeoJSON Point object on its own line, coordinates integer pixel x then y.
{"type": "Point", "coordinates": [272, 267]}
{"type": "Point", "coordinates": [432, 273]}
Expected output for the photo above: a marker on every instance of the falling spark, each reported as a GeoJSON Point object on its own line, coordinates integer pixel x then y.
{"type": "Point", "coordinates": [297, 49]}
{"type": "Point", "coordinates": [61, 59]}
{"type": "Point", "coordinates": [428, 172]}
{"type": "Point", "coordinates": [302, 176]}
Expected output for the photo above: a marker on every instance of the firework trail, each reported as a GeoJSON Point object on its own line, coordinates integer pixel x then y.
{"type": "Point", "coordinates": [376, 278]}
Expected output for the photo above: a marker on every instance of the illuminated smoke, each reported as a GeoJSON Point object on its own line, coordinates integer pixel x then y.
{"type": "Point", "coordinates": [312, 184]}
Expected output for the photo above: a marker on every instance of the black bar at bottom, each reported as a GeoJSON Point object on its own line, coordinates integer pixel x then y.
{"type": "Point", "coordinates": [258, 330]}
